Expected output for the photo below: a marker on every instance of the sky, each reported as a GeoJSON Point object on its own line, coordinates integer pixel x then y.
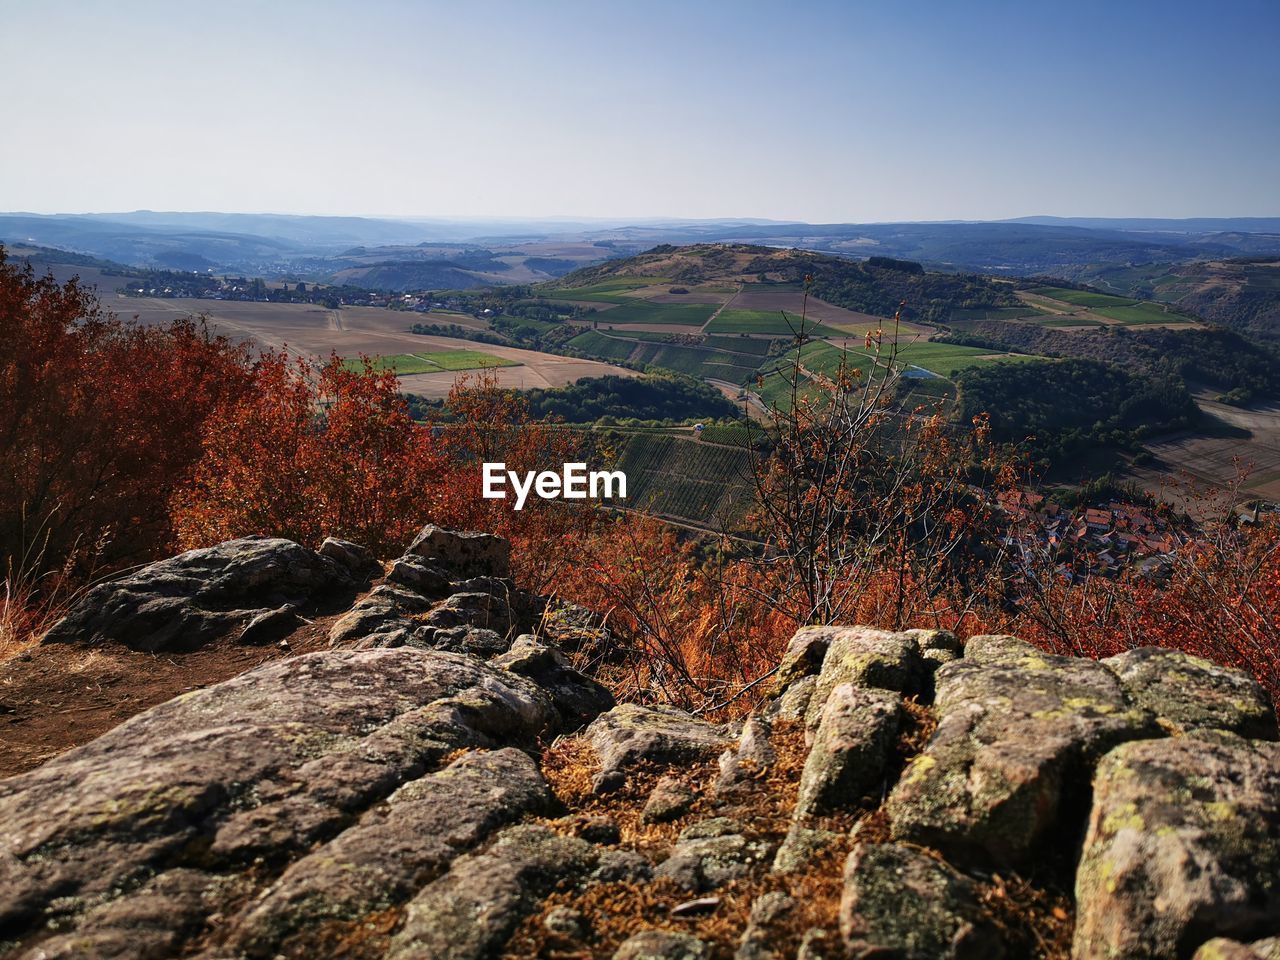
{"type": "Point", "coordinates": [817, 111]}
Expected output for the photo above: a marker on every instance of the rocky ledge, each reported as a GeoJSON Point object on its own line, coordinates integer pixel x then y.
{"type": "Point", "coordinates": [440, 782]}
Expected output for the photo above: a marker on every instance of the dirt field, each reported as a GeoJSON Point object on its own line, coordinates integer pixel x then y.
{"type": "Point", "coordinates": [317, 331]}
{"type": "Point", "coordinates": [1212, 459]}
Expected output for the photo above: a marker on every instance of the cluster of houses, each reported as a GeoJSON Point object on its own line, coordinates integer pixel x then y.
{"type": "Point", "coordinates": [1090, 540]}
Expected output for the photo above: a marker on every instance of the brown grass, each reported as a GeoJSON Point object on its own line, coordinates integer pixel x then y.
{"type": "Point", "coordinates": [1033, 920]}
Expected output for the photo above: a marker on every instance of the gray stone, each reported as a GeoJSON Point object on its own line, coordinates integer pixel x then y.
{"type": "Point", "coordinates": [475, 641]}
{"type": "Point", "coordinates": [388, 610]}
{"type": "Point", "coordinates": [622, 866]}
{"type": "Point", "coordinates": [866, 657]}
{"type": "Point", "coordinates": [577, 699]}
{"type": "Point", "coordinates": [900, 902]}
{"type": "Point", "coordinates": [482, 610]}
{"type": "Point", "coordinates": [1183, 844]}
{"type": "Point", "coordinates": [793, 703]}
{"type": "Point", "coordinates": [1186, 693]}
{"type": "Point", "coordinates": [471, 911]}
{"type": "Point", "coordinates": [630, 735]}
{"type": "Point", "coordinates": [753, 755]}
{"type": "Point", "coordinates": [709, 855]}
{"type": "Point", "coordinates": [394, 849]}
{"type": "Point", "coordinates": [466, 554]}
{"type": "Point", "coordinates": [851, 750]}
{"type": "Point", "coordinates": [270, 626]}
{"type": "Point", "coordinates": [420, 578]}
{"type": "Point", "coordinates": [186, 601]}
{"type": "Point", "coordinates": [263, 766]}
{"type": "Point", "coordinates": [662, 945]}
{"type": "Point", "coordinates": [800, 846]}
{"type": "Point", "coordinates": [937, 642]}
{"type": "Point", "coordinates": [669, 800]}
{"type": "Point", "coordinates": [150, 924]}
{"type": "Point", "coordinates": [360, 563]}
{"type": "Point", "coordinates": [802, 658]}
{"type": "Point", "coordinates": [1009, 765]}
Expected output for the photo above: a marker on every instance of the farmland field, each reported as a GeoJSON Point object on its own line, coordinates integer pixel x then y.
{"type": "Point", "coordinates": [773, 297]}
{"type": "Point", "coordinates": [598, 345]}
{"type": "Point", "coordinates": [315, 331]}
{"type": "Point", "coordinates": [685, 478]}
{"type": "Point", "coordinates": [695, 360]}
{"type": "Point", "coordinates": [752, 345]}
{"type": "Point", "coordinates": [1141, 313]}
{"type": "Point", "coordinates": [1102, 307]}
{"type": "Point", "coordinates": [409, 363]}
{"type": "Point", "coordinates": [1082, 298]}
{"type": "Point", "coordinates": [615, 290]}
{"type": "Point", "coordinates": [674, 314]}
{"type": "Point", "coordinates": [995, 313]}
{"type": "Point", "coordinates": [774, 322]}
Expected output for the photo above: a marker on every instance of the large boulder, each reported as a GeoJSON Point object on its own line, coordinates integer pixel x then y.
{"type": "Point", "coordinates": [1183, 845]}
{"type": "Point", "coordinates": [466, 554]}
{"type": "Point", "coordinates": [864, 657]}
{"type": "Point", "coordinates": [261, 769]}
{"type": "Point", "coordinates": [901, 902]}
{"type": "Point", "coordinates": [1009, 765]}
{"type": "Point", "coordinates": [1187, 693]}
{"type": "Point", "coordinates": [851, 751]}
{"type": "Point", "coordinates": [186, 601]}
{"type": "Point", "coordinates": [631, 735]}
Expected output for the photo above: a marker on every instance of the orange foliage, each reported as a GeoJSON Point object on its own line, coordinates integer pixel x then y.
{"type": "Point", "coordinates": [99, 420]}
{"type": "Point", "coordinates": [1220, 600]}
{"type": "Point", "coordinates": [313, 453]}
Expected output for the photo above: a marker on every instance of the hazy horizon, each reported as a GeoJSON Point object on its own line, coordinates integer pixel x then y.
{"type": "Point", "coordinates": [818, 113]}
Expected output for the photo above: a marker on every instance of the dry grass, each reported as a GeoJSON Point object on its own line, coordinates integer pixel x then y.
{"type": "Point", "coordinates": [29, 606]}
{"type": "Point", "coordinates": [1034, 920]}
{"type": "Point", "coordinates": [762, 803]}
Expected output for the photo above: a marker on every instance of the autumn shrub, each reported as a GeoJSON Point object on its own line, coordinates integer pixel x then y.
{"type": "Point", "coordinates": [308, 453]}
{"type": "Point", "coordinates": [99, 421]}
{"type": "Point", "coordinates": [1217, 596]}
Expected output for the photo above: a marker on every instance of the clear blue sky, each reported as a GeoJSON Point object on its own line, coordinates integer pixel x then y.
{"type": "Point", "coordinates": [817, 111]}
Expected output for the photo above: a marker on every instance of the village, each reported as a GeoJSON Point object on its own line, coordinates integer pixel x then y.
{"type": "Point", "coordinates": [1091, 540]}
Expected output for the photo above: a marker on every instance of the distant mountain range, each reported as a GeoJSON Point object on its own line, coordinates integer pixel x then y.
{"type": "Point", "coordinates": [324, 248]}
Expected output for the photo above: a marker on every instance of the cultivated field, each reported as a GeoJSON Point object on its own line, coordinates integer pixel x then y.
{"type": "Point", "coordinates": [315, 331]}
{"type": "Point", "coordinates": [440, 360]}
{"type": "Point", "coordinates": [1245, 438]}
{"type": "Point", "coordinates": [1065, 307]}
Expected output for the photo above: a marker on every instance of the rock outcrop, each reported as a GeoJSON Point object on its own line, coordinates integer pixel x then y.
{"type": "Point", "coordinates": [182, 603]}
{"type": "Point", "coordinates": [439, 781]}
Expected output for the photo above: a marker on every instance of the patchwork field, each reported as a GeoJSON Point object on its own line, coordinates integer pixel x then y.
{"type": "Point", "coordinates": [777, 323]}
{"type": "Point", "coordinates": [1087, 308]}
{"type": "Point", "coordinates": [318, 332]}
